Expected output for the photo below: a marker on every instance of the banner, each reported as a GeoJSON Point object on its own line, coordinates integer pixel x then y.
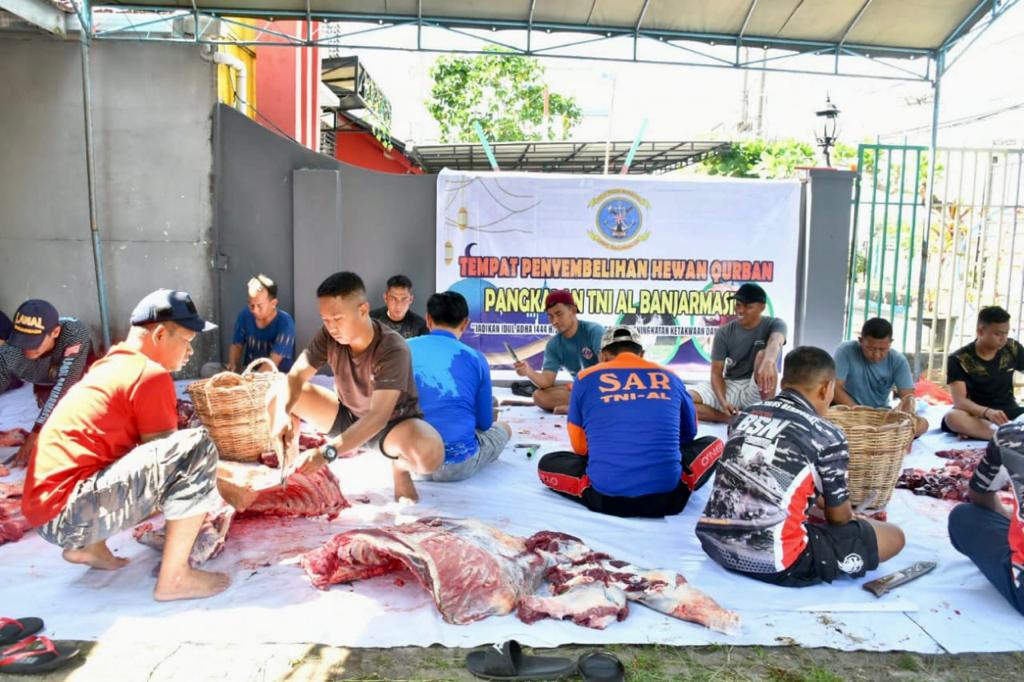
{"type": "Point", "coordinates": [662, 254]}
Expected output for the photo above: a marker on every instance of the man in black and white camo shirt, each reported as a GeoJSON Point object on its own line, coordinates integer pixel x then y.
{"type": "Point", "coordinates": [987, 531]}
{"type": "Point", "coordinates": [47, 350]}
{"type": "Point", "coordinates": [780, 457]}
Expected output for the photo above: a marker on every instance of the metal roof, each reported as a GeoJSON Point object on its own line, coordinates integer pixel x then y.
{"type": "Point", "coordinates": [565, 157]}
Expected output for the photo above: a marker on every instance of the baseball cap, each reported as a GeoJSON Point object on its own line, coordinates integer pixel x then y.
{"type": "Point", "coordinates": [750, 293]}
{"type": "Point", "coordinates": [33, 320]}
{"type": "Point", "coordinates": [168, 305]}
{"type": "Point", "coordinates": [556, 296]}
{"type": "Point", "coordinates": [619, 333]}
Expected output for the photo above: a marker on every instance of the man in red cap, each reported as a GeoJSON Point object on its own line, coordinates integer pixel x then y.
{"type": "Point", "coordinates": [47, 350]}
{"type": "Point", "coordinates": [576, 346]}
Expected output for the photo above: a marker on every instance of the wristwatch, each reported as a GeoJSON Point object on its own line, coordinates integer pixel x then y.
{"type": "Point", "coordinates": [329, 452]}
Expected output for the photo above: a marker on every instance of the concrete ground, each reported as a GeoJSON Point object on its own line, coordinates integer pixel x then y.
{"type": "Point", "coordinates": [155, 662]}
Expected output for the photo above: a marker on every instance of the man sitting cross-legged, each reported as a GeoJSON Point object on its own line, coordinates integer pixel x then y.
{"type": "Point", "coordinates": [980, 378]}
{"type": "Point", "coordinates": [374, 402]}
{"type": "Point", "coordinates": [744, 355]}
{"type": "Point", "coordinates": [110, 455]}
{"type": "Point", "coordinates": [867, 370]}
{"type": "Point", "coordinates": [454, 383]}
{"type": "Point", "coordinates": [781, 455]}
{"type": "Point", "coordinates": [632, 428]}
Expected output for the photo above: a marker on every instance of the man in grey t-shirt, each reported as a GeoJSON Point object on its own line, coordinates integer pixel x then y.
{"type": "Point", "coordinates": [744, 359]}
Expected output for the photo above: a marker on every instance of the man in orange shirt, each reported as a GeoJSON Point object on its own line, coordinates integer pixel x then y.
{"type": "Point", "coordinates": [110, 454]}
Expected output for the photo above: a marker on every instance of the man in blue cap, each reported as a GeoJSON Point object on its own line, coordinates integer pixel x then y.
{"type": "Point", "coordinates": [110, 455]}
{"type": "Point", "coordinates": [47, 350]}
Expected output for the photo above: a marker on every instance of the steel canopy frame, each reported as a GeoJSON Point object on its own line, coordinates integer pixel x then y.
{"type": "Point", "coordinates": [931, 64]}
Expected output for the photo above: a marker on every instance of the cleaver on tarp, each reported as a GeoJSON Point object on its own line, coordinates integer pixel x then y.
{"type": "Point", "coordinates": [886, 583]}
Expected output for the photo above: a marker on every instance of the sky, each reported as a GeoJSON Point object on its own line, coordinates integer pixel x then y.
{"type": "Point", "coordinates": [982, 100]}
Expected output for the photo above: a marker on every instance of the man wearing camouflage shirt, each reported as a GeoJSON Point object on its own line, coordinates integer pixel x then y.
{"type": "Point", "coordinates": [988, 532]}
{"type": "Point", "coordinates": [780, 456]}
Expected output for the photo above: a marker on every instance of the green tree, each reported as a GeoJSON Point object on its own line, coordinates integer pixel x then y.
{"type": "Point", "coordinates": [501, 90]}
{"type": "Point", "coordinates": [779, 159]}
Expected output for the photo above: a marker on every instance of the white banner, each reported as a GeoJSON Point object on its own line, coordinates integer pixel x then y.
{"type": "Point", "coordinates": [661, 253]}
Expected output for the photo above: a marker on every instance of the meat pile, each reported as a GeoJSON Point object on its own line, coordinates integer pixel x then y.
{"type": "Point", "coordinates": [948, 482]}
{"type": "Point", "coordinates": [14, 438]}
{"type": "Point", "coordinates": [186, 415]}
{"type": "Point", "coordinates": [13, 524]}
{"type": "Point", "coordinates": [474, 571]}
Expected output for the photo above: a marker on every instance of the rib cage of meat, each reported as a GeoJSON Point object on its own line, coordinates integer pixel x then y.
{"type": "Point", "coordinates": [13, 524]}
{"type": "Point", "coordinates": [474, 571]}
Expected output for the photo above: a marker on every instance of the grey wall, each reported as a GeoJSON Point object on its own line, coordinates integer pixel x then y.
{"type": "Point", "coordinates": [298, 216]}
{"type": "Point", "coordinates": [152, 127]}
{"type": "Point", "coordinates": [826, 251]}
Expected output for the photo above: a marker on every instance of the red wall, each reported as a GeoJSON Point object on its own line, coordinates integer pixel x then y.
{"type": "Point", "coordinates": [362, 149]}
{"type": "Point", "coordinates": [286, 85]}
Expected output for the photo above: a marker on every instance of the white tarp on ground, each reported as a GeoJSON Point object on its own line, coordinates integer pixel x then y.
{"type": "Point", "coordinates": [952, 609]}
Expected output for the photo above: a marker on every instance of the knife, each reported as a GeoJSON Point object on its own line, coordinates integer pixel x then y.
{"type": "Point", "coordinates": [880, 586]}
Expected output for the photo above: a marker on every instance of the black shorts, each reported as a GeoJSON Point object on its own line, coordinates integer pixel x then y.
{"type": "Point", "coordinates": [566, 474]}
{"type": "Point", "coordinates": [1012, 412]}
{"type": "Point", "coordinates": [344, 419]}
{"type": "Point", "coordinates": [850, 549]}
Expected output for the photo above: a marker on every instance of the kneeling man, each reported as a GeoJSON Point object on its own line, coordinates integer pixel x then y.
{"type": "Point", "coordinates": [632, 428]}
{"type": "Point", "coordinates": [454, 383]}
{"type": "Point", "coordinates": [375, 401]}
{"type": "Point", "coordinates": [780, 456]}
{"type": "Point", "coordinates": [109, 456]}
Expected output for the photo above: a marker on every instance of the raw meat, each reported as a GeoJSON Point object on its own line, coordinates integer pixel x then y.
{"type": "Point", "coordinates": [208, 544]}
{"type": "Point", "coordinates": [13, 525]}
{"type": "Point", "coordinates": [474, 571]}
{"type": "Point", "coordinates": [317, 494]}
{"type": "Point", "coordinates": [948, 482]}
{"type": "Point", "coordinates": [186, 415]}
{"type": "Point", "coordinates": [573, 565]}
{"type": "Point", "coordinates": [4, 471]}
{"type": "Point", "coordinates": [14, 438]}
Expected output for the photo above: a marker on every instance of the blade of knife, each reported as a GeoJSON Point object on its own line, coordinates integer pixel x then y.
{"type": "Point", "coordinates": [880, 586]}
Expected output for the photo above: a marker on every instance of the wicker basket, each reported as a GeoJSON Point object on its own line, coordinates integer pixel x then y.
{"type": "Point", "coordinates": [878, 441]}
{"type": "Point", "coordinates": [234, 409]}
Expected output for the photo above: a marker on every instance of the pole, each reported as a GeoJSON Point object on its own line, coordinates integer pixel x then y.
{"type": "Point", "coordinates": [487, 147]}
{"type": "Point", "coordinates": [90, 176]}
{"type": "Point", "coordinates": [633, 147]}
{"type": "Point", "coordinates": [608, 140]}
{"type": "Point", "coordinates": [940, 63]}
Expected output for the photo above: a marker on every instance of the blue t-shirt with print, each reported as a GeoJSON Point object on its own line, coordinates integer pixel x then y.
{"type": "Point", "coordinates": [277, 337]}
{"type": "Point", "coordinates": [871, 383]}
{"type": "Point", "coordinates": [576, 353]}
{"type": "Point", "coordinates": [454, 383]}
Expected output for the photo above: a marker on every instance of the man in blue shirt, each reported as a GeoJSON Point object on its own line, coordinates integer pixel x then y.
{"type": "Point", "coordinates": [868, 369]}
{"type": "Point", "coordinates": [632, 427]}
{"type": "Point", "coordinates": [261, 330]}
{"type": "Point", "coordinates": [454, 383]}
{"type": "Point", "coordinates": [574, 347]}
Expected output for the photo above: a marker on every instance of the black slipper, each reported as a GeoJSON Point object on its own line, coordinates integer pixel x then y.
{"type": "Point", "coordinates": [601, 666]}
{"type": "Point", "coordinates": [34, 655]}
{"type": "Point", "coordinates": [508, 662]}
{"type": "Point", "coordinates": [523, 388]}
{"type": "Point", "coordinates": [12, 630]}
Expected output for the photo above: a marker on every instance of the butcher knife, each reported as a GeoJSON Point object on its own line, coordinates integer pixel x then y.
{"type": "Point", "coordinates": [880, 586]}
{"type": "Point", "coordinates": [508, 347]}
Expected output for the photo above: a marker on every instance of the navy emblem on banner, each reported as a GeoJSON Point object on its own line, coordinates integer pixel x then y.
{"type": "Point", "coordinates": [619, 222]}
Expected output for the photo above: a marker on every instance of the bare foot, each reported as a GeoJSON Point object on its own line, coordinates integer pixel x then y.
{"type": "Point", "coordinates": [404, 486]}
{"type": "Point", "coordinates": [192, 584]}
{"type": "Point", "coordinates": [95, 556]}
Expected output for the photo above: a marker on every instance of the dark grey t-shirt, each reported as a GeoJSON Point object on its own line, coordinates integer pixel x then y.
{"type": "Point", "coordinates": [737, 347]}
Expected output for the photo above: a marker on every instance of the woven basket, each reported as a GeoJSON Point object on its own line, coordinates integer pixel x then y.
{"type": "Point", "coordinates": [878, 441]}
{"type": "Point", "coordinates": [233, 408]}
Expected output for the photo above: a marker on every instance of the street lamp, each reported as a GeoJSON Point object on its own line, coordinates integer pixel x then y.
{"type": "Point", "coordinates": [829, 129]}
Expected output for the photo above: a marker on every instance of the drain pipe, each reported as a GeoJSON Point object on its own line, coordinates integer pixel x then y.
{"type": "Point", "coordinates": [241, 75]}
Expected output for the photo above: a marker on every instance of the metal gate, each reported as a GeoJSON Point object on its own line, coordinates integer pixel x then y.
{"type": "Point", "coordinates": [975, 248]}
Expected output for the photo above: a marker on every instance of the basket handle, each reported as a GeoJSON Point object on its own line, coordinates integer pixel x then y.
{"type": "Point", "coordinates": [255, 363]}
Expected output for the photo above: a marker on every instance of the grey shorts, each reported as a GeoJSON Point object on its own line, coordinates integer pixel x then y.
{"type": "Point", "coordinates": [176, 475]}
{"type": "Point", "coordinates": [740, 392]}
{"type": "Point", "coordinates": [491, 442]}
{"type": "Point", "coordinates": [344, 419]}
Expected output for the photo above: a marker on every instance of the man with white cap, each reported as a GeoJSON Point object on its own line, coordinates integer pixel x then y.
{"type": "Point", "coordinates": [633, 431]}
{"type": "Point", "coordinates": [110, 455]}
{"type": "Point", "coordinates": [46, 350]}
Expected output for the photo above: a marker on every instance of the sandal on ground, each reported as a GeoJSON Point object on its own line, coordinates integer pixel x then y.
{"type": "Point", "coordinates": [507, 661]}
{"type": "Point", "coordinates": [601, 666]}
{"type": "Point", "coordinates": [12, 630]}
{"type": "Point", "coordinates": [34, 655]}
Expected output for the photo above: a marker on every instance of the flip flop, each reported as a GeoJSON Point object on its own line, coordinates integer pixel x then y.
{"type": "Point", "coordinates": [523, 388]}
{"type": "Point", "coordinates": [508, 662]}
{"type": "Point", "coordinates": [601, 666]}
{"type": "Point", "coordinates": [12, 630]}
{"type": "Point", "coordinates": [34, 655]}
